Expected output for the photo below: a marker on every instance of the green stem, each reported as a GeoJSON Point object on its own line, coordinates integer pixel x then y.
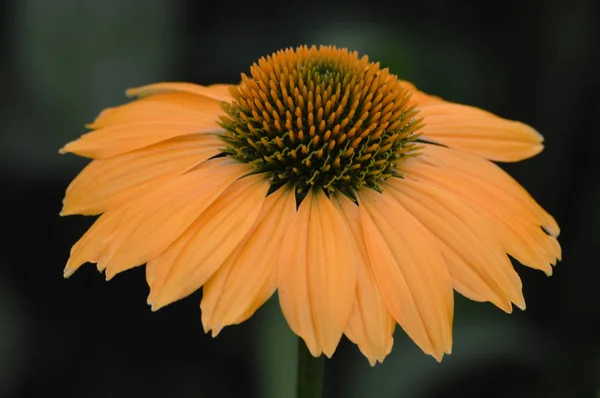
{"type": "Point", "coordinates": [310, 373]}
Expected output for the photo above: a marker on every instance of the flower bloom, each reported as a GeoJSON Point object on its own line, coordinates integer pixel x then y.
{"type": "Point", "coordinates": [362, 201]}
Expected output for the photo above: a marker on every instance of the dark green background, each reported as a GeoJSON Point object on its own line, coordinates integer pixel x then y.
{"type": "Point", "coordinates": [62, 61]}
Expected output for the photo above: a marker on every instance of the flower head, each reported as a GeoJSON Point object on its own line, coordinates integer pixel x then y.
{"type": "Point", "coordinates": [321, 118]}
{"type": "Point", "coordinates": [362, 201]}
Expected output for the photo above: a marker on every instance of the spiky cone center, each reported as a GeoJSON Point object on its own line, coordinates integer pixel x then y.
{"type": "Point", "coordinates": [321, 117]}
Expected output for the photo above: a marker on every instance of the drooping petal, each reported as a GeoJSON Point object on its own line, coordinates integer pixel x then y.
{"type": "Point", "coordinates": [514, 216]}
{"type": "Point", "coordinates": [478, 132]}
{"type": "Point", "coordinates": [410, 271]}
{"type": "Point", "coordinates": [89, 247]}
{"type": "Point", "coordinates": [492, 174]}
{"type": "Point", "coordinates": [193, 258]}
{"type": "Point", "coordinates": [316, 274]}
{"type": "Point", "coordinates": [162, 108]}
{"type": "Point", "coordinates": [115, 140]}
{"type": "Point", "coordinates": [371, 325]}
{"type": "Point", "coordinates": [476, 260]}
{"type": "Point", "coordinates": [215, 93]}
{"type": "Point", "coordinates": [106, 183]}
{"type": "Point", "coordinates": [158, 218]}
{"type": "Point", "coordinates": [248, 277]}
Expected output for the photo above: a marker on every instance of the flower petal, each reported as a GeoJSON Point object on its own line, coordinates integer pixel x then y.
{"type": "Point", "coordinates": [476, 260]}
{"type": "Point", "coordinates": [178, 108]}
{"type": "Point", "coordinates": [316, 275]}
{"type": "Point", "coordinates": [478, 132]}
{"type": "Point", "coordinates": [151, 223]}
{"type": "Point", "coordinates": [223, 89]}
{"type": "Point", "coordinates": [106, 183]}
{"type": "Point", "coordinates": [487, 171]}
{"type": "Point", "coordinates": [248, 277]}
{"type": "Point", "coordinates": [115, 140]}
{"type": "Point", "coordinates": [157, 88]}
{"type": "Point", "coordinates": [371, 325]}
{"type": "Point", "coordinates": [419, 98]}
{"type": "Point", "coordinates": [89, 247]}
{"type": "Point", "coordinates": [193, 258]}
{"type": "Point", "coordinates": [512, 213]}
{"type": "Point", "coordinates": [410, 271]}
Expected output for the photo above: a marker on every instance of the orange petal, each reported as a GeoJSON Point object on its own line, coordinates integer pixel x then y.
{"type": "Point", "coordinates": [207, 243]}
{"type": "Point", "coordinates": [419, 98]}
{"type": "Point", "coordinates": [89, 247]}
{"type": "Point", "coordinates": [178, 108]}
{"type": "Point", "coordinates": [371, 325]}
{"type": "Point", "coordinates": [248, 277]}
{"type": "Point", "coordinates": [107, 183]}
{"type": "Point", "coordinates": [157, 88]}
{"type": "Point", "coordinates": [410, 271]}
{"type": "Point", "coordinates": [514, 216]}
{"type": "Point", "coordinates": [489, 172]}
{"type": "Point", "coordinates": [478, 132]}
{"type": "Point", "coordinates": [223, 89]}
{"type": "Point", "coordinates": [316, 274]}
{"type": "Point", "coordinates": [476, 260]}
{"type": "Point", "coordinates": [115, 140]}
{"type": "Point", "coordinates": [155, 220]}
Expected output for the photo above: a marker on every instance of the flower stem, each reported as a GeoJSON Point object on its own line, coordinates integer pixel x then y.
{"type": "Point", "coordinates": [310, 373]}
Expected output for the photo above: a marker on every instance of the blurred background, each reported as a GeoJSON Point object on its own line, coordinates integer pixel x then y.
{"type": "Point", "coordinates": [62, 61]}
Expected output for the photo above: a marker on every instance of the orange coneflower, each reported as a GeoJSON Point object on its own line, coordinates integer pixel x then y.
{"type": "Point", "coordinates": [322, 176]}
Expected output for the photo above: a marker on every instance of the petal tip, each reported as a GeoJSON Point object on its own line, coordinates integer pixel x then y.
{"type": "Point", "coordinates": [66, 210]}
{"type": "Point", "coordinates": [552, 229]}
{"type": "Point", "coordinates": [132, 92]}
{"type": "Point", "coordinates": [68, 271]}
{"type": "Point", "coordinates": [206, 328]}
{"type": "Point", "coordinates": [155, 304]}
{"type": "Point", "coordinates": [151, 301]}
{"type": "Point", "coordinates": [109, 272]}
{"type": "Point", "coordinates": [506, 308]}
{"type": "Point", "coordinates": [538, 135]}
{"type": "Point", "coordinates": [68, 148]}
